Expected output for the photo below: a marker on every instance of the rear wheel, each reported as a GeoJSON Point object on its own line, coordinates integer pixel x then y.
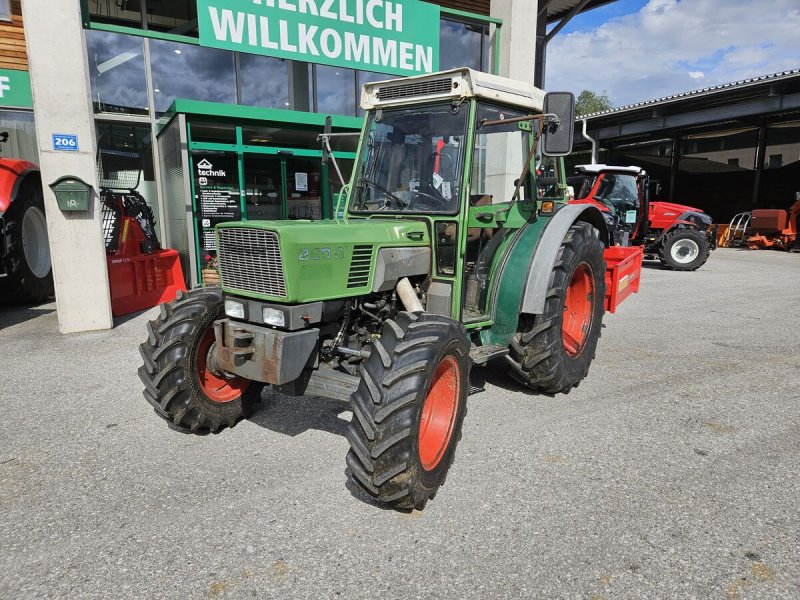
{"type": "Point", "coordinates": [684, 250]}
{"type": "Point", "coordinates": [29, 276]}
{"type": "Point", "coordinates": [551, 352]}
{"type": "Point", "coordinates": [180, 381]}
{"type": "Point", "coordinates": [408, 409]}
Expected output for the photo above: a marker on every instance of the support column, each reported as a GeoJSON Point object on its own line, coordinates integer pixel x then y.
{"type": "Point", "coordinates": [62, 104]}
{"type": "Point", "coordinates": [517, 45]}
{"type": "Point", "coordinates": [673, 167]}
{"type": "Point", "coordinates": [761, 148]}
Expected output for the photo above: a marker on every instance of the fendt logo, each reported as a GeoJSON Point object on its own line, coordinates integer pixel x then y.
{"type": "Point", "coordinates": [207, 169]}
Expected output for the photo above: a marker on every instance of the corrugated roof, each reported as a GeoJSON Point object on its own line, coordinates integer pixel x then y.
{"type": "Point", "coordinates": [697, 93]}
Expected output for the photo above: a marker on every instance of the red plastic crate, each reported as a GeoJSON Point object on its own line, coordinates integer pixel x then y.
{"type": "Point", "coordinates": [143, 281]}
{"type": "Point", "coordinates": [623, 273]}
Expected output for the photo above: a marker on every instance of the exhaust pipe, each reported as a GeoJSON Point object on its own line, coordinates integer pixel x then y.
{"type": "Point", "coordinates": [589, 138]}
{"type": "Point", "coordinates": [408, 296]}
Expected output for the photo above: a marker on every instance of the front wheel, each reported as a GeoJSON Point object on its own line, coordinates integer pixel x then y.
{"type": "Point", "coordinates": [408, 409]}
{"type": "Point", "coordinates": [551, 352]}
{"type": "Point", "coordinates": [181, 383]}
{"type": "Point", "coordinates": [684, 250]}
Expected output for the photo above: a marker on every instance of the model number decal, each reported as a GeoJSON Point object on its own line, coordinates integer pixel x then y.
{"type": "Point", "coordinates": [324, 253]}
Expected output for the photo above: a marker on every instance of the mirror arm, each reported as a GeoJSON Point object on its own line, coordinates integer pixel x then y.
{"type": "Point", "coordinates": [526, 169]}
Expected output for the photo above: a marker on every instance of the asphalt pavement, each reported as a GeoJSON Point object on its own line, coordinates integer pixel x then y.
{"type": "Point", "coordinates": [673, 471]}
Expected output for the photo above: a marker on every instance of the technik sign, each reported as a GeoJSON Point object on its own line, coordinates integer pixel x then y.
{"type": "Point", "coordinates": [400, 37]}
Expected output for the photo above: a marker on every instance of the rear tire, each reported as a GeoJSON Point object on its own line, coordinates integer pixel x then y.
{"type": "Point", "coordinates": [178, 384]}
{"type": "Point", "coordinates": [408, 409]}
{"type": "Point", "coordinates": [684, 250]}
{"type": "Point", "coordinates": [551, 352]}
{"type": "Point", "coordinates": [29, 274]}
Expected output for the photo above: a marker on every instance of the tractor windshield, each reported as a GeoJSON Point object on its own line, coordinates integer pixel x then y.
{"type": "Point", "coordinates": [411, 160]}
{"type": "Point", "coordinates": [618, 191]}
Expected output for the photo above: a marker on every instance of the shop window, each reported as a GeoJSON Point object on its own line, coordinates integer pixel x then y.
{"type": "Point", "coordinates": [218, 133]}
{"type": "Point", "coordinates": [263, 81]}
{"type": "Point", "coordinates": [117, 12]}
{"type": "Point", "coordinates": [335, 89]}
{"type": "Point", "coordinates": [175, 16]}
{"type": "Point", "coordinates": [21, 141]}
{"type": "Point", "coordinates": [116, 70]}
{"type": "Point", "coordinates": [191, 72]}
{"type": "Point", "coordinates": [463, 45]}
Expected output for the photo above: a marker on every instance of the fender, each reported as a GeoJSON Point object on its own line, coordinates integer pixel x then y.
{"type": "Point", "coordinates": [515, 275]}
{"type": "Point", "coordinates": [535, 291]}
{"type": "Point", "coordinates": [684, 220]}
{"type": "Point", "coordinates": [12, 174]}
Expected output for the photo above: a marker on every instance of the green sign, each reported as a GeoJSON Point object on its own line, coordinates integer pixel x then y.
{"type": "Point", "coordinates": [400, 37]}
{"type": "Point", "coordinates": [15, 89]}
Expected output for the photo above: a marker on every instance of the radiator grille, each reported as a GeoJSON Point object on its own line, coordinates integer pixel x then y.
{"type": "Point", "coordinates": [420, 88]}
{"type": "Point", "coordinates": [360, 266]}
{"type": "Point", "coordinates": [250, 261]}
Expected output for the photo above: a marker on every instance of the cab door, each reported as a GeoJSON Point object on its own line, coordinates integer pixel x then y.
{"type": "Point", "coordinates": [498, 158]}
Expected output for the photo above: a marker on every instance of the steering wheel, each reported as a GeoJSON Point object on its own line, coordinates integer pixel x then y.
{"type": "Point", "coordinates": [436, 203]}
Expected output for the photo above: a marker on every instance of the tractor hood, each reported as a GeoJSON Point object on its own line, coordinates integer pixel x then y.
{"type": "Point", "coordinates": [306, 261]}
{"type": "Point", "coordinates": [667, 207]}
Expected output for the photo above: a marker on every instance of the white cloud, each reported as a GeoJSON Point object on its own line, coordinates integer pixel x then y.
{"type": "Point", "coordinates": [670, 45]}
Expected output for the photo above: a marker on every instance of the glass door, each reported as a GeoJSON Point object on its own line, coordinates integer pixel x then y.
{"type": "Point", "coordinates": [263, 187]}
{"type": "Point", "coordinates": [304, 189]}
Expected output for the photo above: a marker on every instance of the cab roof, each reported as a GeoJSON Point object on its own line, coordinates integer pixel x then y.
{"type": "Point", "coordinates": [454, 84]}
{"type": "Point", "coordinates": [595, 169]}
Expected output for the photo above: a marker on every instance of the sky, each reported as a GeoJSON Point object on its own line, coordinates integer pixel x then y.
{"type": "Point", "coordinates": [636, 50]}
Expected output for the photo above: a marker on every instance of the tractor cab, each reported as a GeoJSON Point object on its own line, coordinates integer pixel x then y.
{"type": "Point", "coordinates": [621, 193]}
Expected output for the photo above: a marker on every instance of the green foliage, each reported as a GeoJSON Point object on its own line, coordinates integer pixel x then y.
{"type": "Point", "coordinates": [590, 102]}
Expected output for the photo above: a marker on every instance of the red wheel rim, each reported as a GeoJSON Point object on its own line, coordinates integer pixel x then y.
{"type": "Point", "coordinates": [578, 310]}
{"type": "Point", "coordinates": [217, 389]}
{"type": "Point", "coordinates": [439, 413]}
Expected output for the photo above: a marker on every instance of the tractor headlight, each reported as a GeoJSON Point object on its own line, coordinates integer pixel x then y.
{"type": "Point", "coordinates": [234, 309]}
{"type": "Point", "coordinates": [273, 317]}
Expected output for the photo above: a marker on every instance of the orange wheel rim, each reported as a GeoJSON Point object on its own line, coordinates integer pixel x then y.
{"type": "Point", "coordinates": [439, 413]}
{"type": "Point", "coordinates": [217, 389]}
{"type": "Point", "coordinates": [578, 310]}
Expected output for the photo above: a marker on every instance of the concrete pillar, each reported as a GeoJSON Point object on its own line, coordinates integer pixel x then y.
{"type": "Point", "coordinates": [62, 104]}
{"type": "Point", "coordinates": [517, 37]}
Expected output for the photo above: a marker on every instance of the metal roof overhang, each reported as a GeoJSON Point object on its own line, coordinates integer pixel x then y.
{"type": "Point", "coordinates": [558, 9]}
{"type": "Point", "coordinates": [749, 101]}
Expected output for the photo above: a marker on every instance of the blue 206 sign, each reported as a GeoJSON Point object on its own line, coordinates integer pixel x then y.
{"type": "Point", "coordinates": [66, 142]}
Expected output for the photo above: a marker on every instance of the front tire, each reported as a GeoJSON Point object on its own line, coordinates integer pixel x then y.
{"type": "Point", "coordinates": [684, 250]}
{"type": "Point", "coordinates": [408, 409]}
{"type": "Point", "coordinates": [551, 352]}
{"type": "Point", "coordinates": [29, 274]}
{"type": "Point", "coordinates": [179, 384]}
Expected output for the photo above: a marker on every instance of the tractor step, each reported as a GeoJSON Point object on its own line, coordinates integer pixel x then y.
{"type": "Point", "coordinates": [331, 384]}
{"type": "Point", "coordinates": [480, 355]}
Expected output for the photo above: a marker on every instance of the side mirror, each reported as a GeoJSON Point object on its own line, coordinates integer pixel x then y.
{"type": "Point", "coordinates": [558, 136]}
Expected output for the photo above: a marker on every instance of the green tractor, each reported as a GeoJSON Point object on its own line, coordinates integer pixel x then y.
{"type": "Point", "coordinates": [441, 256]}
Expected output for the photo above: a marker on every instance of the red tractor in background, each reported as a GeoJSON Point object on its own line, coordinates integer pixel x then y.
{"type": "Point", "coordinates": [26, 276]}
{"type": "Point", "coordinates": [680, 236]}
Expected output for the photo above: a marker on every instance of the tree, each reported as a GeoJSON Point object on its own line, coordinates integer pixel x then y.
{"type": "Point", "coordinates": [589, 102]}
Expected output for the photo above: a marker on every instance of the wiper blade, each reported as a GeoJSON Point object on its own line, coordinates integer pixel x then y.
{"type": "Point", "coordinates": [365, 180]}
